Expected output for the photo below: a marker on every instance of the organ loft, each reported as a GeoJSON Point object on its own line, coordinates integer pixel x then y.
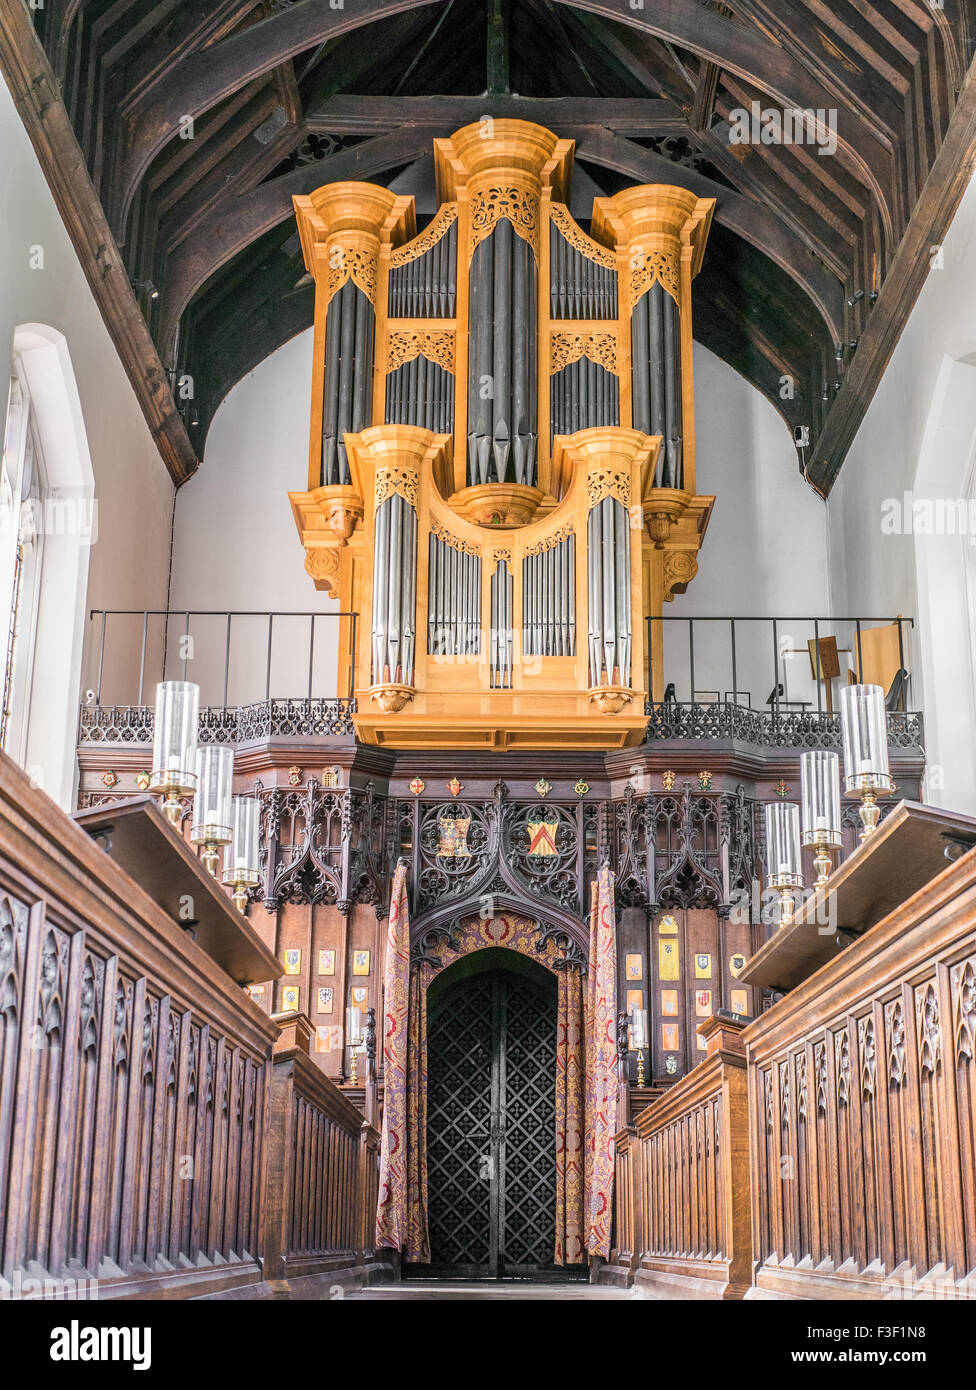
{"type": "Point", "coordinates": [502, 443]}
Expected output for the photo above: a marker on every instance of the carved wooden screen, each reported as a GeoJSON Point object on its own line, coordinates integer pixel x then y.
{"type": "Point", "coordinates": [491, 1151]}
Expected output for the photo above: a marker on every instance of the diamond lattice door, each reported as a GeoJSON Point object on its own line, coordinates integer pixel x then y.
{"type": "Point", "coordinates": [491, 1146]}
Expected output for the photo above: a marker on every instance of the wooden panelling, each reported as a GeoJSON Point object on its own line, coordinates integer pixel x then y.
{"type": "Point", "coordinates": [682, 1183]}
{"type": "Point", "coordinates": [863, 1112]}
{"type": "Point", "coordinates": [147, 1140]}
{"type": "Point", "coordinates": [322, 1178]}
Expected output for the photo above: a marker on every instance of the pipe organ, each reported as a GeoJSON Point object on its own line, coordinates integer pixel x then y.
{"type": "Point", "coordinates": [502, 453]}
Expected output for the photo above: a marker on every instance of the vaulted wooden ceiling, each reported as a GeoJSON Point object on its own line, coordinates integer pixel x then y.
{"type": "Point", "coordinates": [198, 122]}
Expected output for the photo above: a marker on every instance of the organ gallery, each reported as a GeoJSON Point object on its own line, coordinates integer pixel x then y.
{"type": "Point", "coordinates": [487, 792]}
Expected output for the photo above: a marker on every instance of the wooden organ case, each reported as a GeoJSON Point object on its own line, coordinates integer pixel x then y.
{"type": "Point", "coordinates": [502, 453]}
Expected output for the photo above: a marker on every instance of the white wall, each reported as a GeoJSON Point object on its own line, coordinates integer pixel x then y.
{"type": "Point", "coordinates": [235, 542]}
{"type": "Point", "coordinates": [129, 562]}
{"type": "Point", "coordinates": [765, 549]}
{"type": "Point", "coordinates": [918, 437]}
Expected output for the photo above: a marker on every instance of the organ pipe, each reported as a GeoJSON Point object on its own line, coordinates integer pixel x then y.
{"type": "Point", "coordinates": [579, 288]}
{"type": "Point", "coordinates": [608, 570]}
{"type": "Point", "coordinates": [583, 395]}
{"type": "Point", "coordinates": [502, 386]}
{"type": "Point", "coordinates": [501, 635]}
{"type": "Point", "coordinates": [549, 600]}
{"type": "Point", "coordinates": [453, 600]}
{"type": "Point", "coordinates": [348, 386]}
{"type": "Point", "coordinates": [421, 393]}
{"type": "Point", "coordinates": [656, 344]}
{"type": "Point", "coordinates": [394, 591]}
{"type": "Point", "coordinates": [426, 287]}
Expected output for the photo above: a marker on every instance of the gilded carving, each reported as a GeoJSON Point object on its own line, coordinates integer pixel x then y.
{"type": "Point", "coordinates": [647, 267]}
{"type": "Point", "coordinates": [550, 542]}
{"type": "Point", "coordinates": [570, 347]}
{"type": "Point", "coordinates": [403, 481]}
{"type": "Point", "coordinates": [607, 482]}
{"type": "Point", "coordinates": [455, 542]}
{"type": "Point", "coordinates": [429, 237]}
{"type": "Point", "coordinates": [354, 262]}
{"type": "Point", "coordinates": [578, 239]}
{"type": "Point", "coordinates": [519, 205]}
{"type": "Point", "coordinates": [680, 567]}
{"type": "Point", "coordinates": [437, 347]}
{"type": "Point", "coordinates": [500, 557]}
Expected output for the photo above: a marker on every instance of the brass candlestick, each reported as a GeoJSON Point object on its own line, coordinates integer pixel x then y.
{"type": "Point", "coordinates": [821, 860]}
{"type": "Point", "coordinates": [352, 1075]}
{"type": "Point", "coordinates": [640, 1068]}
{"type": "Point", "coordinates": [787, 906]}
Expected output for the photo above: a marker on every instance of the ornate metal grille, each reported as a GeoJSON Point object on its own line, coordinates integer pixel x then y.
{"type": "Point", "coordinates": [491, 1145]}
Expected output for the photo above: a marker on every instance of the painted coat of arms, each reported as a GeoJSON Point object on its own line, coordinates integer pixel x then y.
{"type": "Point", "coordinates": [454, 837]}
{"type": "Point", "coordinates": [542, 836]}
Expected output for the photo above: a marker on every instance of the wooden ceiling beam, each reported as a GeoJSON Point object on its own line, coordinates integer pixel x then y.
{"type": "Point", "coordinates": [947, 181]}
{"type": "Point", "coordinates": [238, 221]}
{"type": "Point", "coordinates": [37, 97]}
{"type": "Point", "coordinates": [367, 115]}
{"type": "Point", "coordinates": [752, 55]}
{"type": "Point", "coordinates": [752, 220]}
{"type": "Point", "coordinates": [205, 78]}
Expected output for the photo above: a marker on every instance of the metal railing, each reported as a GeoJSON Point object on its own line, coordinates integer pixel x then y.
{"type": "Point", "coordinates": [702, 661]}
{"type": "Point", "coordinates": [168, 650]}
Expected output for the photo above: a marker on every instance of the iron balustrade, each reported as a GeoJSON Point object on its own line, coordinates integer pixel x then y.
{"type": "Point", "coordinates": [714, 647]}
{"type": "Point", "coordinates": [164, 642]}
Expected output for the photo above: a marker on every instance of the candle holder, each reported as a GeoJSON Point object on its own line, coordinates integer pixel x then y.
{"type": "Point", "coordinates": [174, 745]}
{"type": "Point", "coordinates": [865, 734]}
{"type": "Point", "coordinates": [820, 809]}
{"type": "Point", "coordinates": [242, 864]}
{"type": "Point", "coordinates": [213, 821]}
{"type": "Point", "coordinates": [783, 854]}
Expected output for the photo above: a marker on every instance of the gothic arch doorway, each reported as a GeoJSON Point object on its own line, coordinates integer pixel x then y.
{"type": "Point", "coordinates": [491, 1119]}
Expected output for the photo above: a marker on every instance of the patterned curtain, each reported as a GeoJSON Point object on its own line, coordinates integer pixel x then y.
{"type": "Point", "coordinates": [570, 1108]}
{"type": "Point", "coordinates": [418, 1239]}
{"type": "Point", "coordinates": [601, 1067]}
{"type": "Point", "coordinates": [391, 1210]}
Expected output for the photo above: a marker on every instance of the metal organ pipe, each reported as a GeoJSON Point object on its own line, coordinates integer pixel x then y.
{"type": "Point", "coordinates": [350, 330]}
{"type": "Point", "coordinates": [454, 601]}
{"type": "Point", "coordinates": [656, 344]}
{"type": "Point", "coordinates": [394, 592]}
{"type": "Point", "coordinates": [583, 395]}
{"type": "Point", "coordinates": [579, 288]}
{"type": "Point", "coordinates": [549, 600]}
{"type": "Point", "coordinates": [502, 390]}
{"type": "Point", "coordinates": [610, 630]}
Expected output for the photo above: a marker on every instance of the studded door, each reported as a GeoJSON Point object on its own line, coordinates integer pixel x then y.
{"type": "Point", "coordinates": [491, 1146]}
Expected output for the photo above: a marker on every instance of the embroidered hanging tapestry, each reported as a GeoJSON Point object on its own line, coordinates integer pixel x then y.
{"type": "Point", "coordinates": [391, 1211]}
{"type": "Point", "coordinates": [601, 1067]}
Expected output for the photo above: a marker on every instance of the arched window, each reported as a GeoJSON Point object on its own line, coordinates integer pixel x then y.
{"type": "Point", "coordinates": [48, 524]}
{"type": "Point", "coordinates": [22, 496]}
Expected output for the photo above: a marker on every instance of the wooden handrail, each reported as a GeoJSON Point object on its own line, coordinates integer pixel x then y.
{"type": "Point", "coordinates": [682, 1205]}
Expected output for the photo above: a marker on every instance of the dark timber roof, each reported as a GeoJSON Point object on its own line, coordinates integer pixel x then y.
{"type": "Point", "coordinates": [285, 96]}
